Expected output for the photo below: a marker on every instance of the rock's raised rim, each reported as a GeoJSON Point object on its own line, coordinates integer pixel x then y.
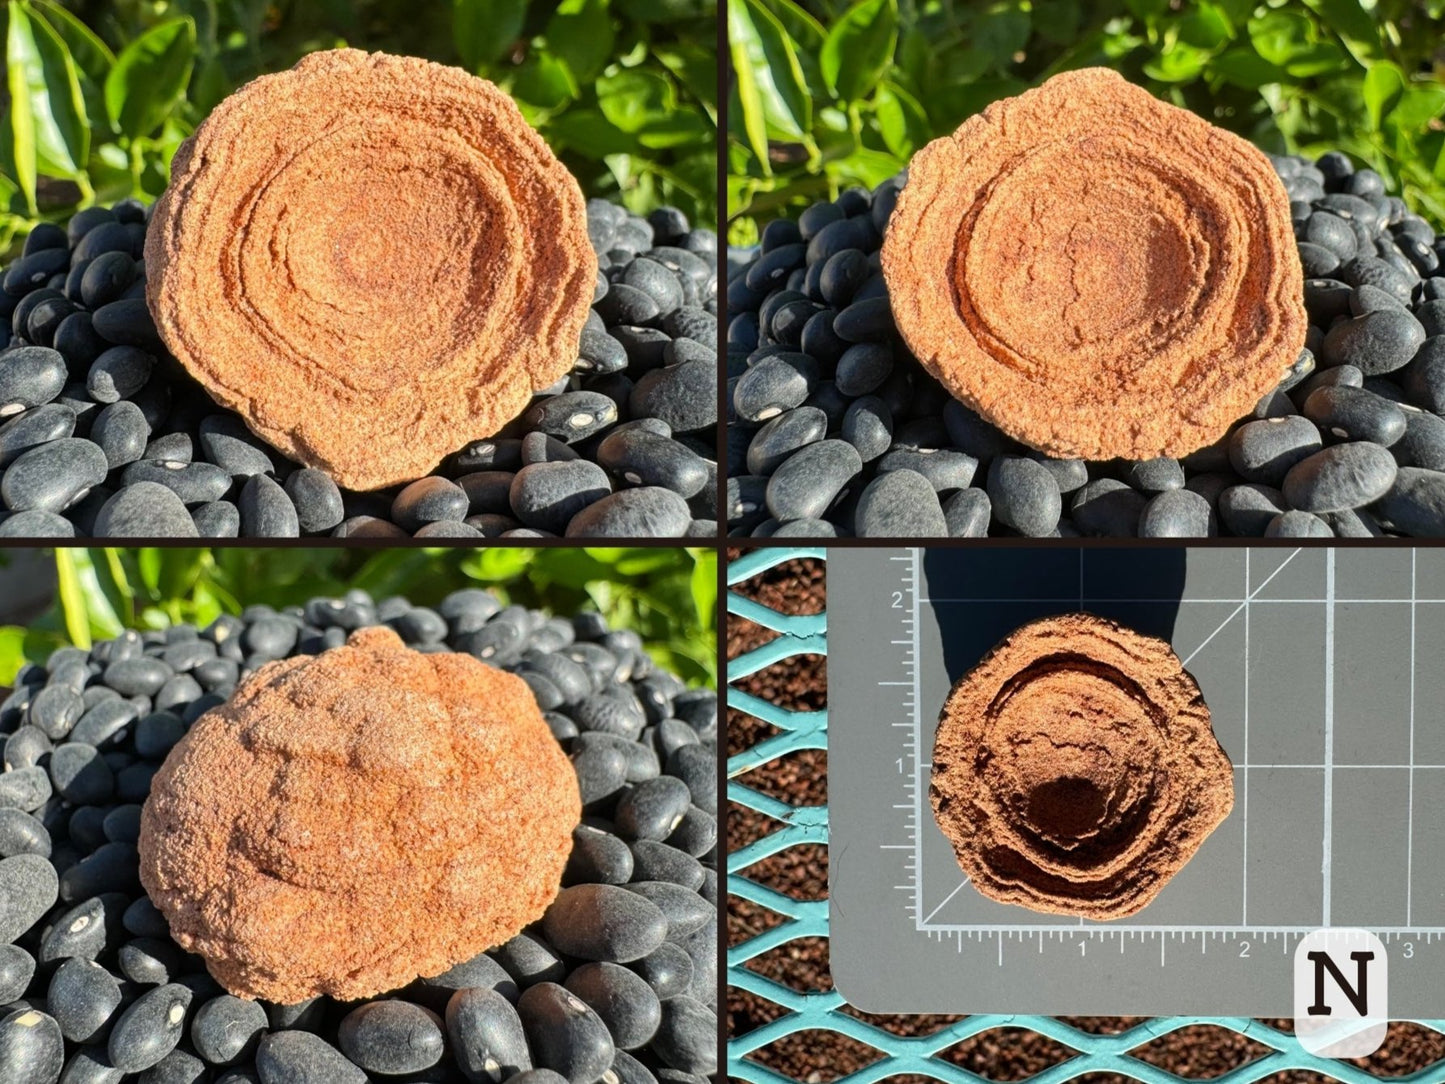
{"type": "Point", "coordinates": [1098, 273]}
{"type": "Point", "coordinates": [1074, 769]}
{"type": "Point", "coordinates": [372, 259]}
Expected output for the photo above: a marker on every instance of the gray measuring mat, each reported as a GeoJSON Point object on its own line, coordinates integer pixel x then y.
{"type": "Point", "coordinates": [1325, 677]}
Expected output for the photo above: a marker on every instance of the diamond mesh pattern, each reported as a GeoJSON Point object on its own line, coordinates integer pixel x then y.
{"type": "Point", "coordinates": [819, 1011]}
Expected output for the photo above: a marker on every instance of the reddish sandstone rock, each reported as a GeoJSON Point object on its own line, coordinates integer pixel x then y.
{"type": "Point", "coordinates": [372, 259]}
{"type": "Point", "coordinates": [352, 820]}
{"type": "Point", "coordinates": [1097, 272]}
{"type": "Point", "coordinates": [1075, 770]}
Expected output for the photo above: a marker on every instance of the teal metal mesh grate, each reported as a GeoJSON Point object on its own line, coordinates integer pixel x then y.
{"type": "Point", "coordinates": [819, 1011]}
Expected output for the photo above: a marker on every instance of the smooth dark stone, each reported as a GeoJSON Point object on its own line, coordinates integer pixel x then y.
{"type": "Point", "coordinates": [1297, 524]}
{"type": "Point", "coordinates": [1340, 477]}
{"type": "Point", "coordinates": [1379, 342]}
{"type": "Point", "coordinates": [807, 483]}
{"type": "Point", "coordinates": [1423, 444]}
{"type": "Point", "coordinates": [1246, 510]}
{"type": "Point", "coordinates": [1415, 503]}
{"type": "Point", "coordinates": [529, 960]}
{"type": "Point", "coordinates": [266, 510]}
{"type": "Point", "coordinates": [127, 322]}
{"type": "Point", "coordinates": [783, 435]}
{"type": "Point", "coordinates": [487, 1038]}
{"type": "Point", "coordinates": [623, 1000]}
{"type": "Point", "coordinates": [1355, 414]}
{"type": "Point", "coordinates": [645, 458]}
{"type": "Point", "coordinates": [391, 1037]}
{"type": "Point", "coordinates": [571, 416]}
{"type": "Point", "coordinates": [945, 468]}
{"type": "Point", "coordinates": [227, 442]}
{"type": "Point", "coordinates": [603, 922]}
{"type": "Point", "coordinates": [144, 510]}
{"type": "Point", "coordinates": [193, 483]}
{"type": "Point", "coordinates": [899, 503]}
{"type": "Point", "coordinates": [31, 1048]}
{"type": "Point", "coordinates": [80, 775]}
{"type": "Point", "coordinates": [20, 833]}
{"type": "Point", "coordinates": [149, 1029]}
{"type": "Point", "coordinates": [29, 887]}
{"type": "Point", "coordinates": [83, 997]}
{"type": "Point", "coordinates": [1024, 495]}
{"type": "Point", "coordinates": [29, 377]}
{"type": "Point", "coordinates": [53, 476]}
{"type": "Point", "coordinates": [565, 1034]}
{"type": "Point", "coordinates": [1177, 513]}
{"type": "Point", "coordinates": [299, 1057]}
{"type": "Point", "coordinates": [687, 1036]}
{"type": "Point", "coordinates": [1154, 475]}
{"type": "Point", "coordinates": [1265, 450]}
{"type": "Point", "coordinates": [1108, 507]}
{"type": "Point", "coordinates": [122, 432]}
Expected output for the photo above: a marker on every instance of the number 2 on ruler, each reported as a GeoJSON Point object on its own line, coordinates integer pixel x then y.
{"type": "Point", "coordinates": [898, 600]}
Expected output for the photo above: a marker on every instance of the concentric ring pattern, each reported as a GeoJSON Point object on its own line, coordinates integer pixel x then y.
{"type": "Point", "coordinates": [1097, 272]}
{"type": "Point", "coordinates": [373, 259]}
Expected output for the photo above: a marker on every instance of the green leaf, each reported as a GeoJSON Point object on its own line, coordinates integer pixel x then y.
{"type": "Point", "coordinates": [750, 110]}
{"type": "Point", "coordinates": [1181, 64]}
{"type": "Point", "coordinates": [773, 57]}
{"type": "Point", "coordinates": [1206, 27]}
{"type": "Point", "coordinates": [580, 33]}
{"type": "Point", "coordinates": [1281, 37]}
{"type": "Point", "coordinates": [703, 584]}
{"type": "Point", "coordinates": [1243, 67]}
{"type": "Point", "coordinates": [589, 133]}
{"type": "Point", "coordinates": [12, 653]}
{"type": "Point", "coordinates": [1382, 87]}
{"type": "Point", "coordinates": [482, 30]}
{"type": "Point", "coordinates": [545, 81]}
{"type": "Point", "coordinates": [1356, 27]}
{"type": "Point", "coordinates": [19, 152]}
{"type": "Point", "coordinates": [636, 99]}
{"type": "Point", "coordinates": [859, 48]}
{"type": "Point", "coordinates": [149, 77]}
{"type": "Point", "coordinates": [62, 129]}
{"type": "Point", "coordinates": [1001, 32]}
{"type": "Point", "coordinates": [901, 120]}
{"type": "Point", "coordinates": [93, 58]}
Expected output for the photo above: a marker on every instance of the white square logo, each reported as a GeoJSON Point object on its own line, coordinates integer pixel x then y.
{"type": "Point", "coordinates": [1341, 985]}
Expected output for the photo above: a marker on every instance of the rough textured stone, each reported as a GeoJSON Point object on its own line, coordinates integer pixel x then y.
{"type": "Point", "coordinates": [351, 821]}
{"type": "Point", "coordinates": [413, 265]}
{"type": "Point", "coordinates": [1097, 272]}
{"type": "Point", "coordinates": [1075, 771]}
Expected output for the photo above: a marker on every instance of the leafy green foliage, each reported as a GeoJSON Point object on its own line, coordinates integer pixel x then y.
{"type": "Point", "coordinates": [668, 596]}
{"type": "Point", "coordinates": [842, 93]}
{"type": "Point", "coordinates": [102, 92]}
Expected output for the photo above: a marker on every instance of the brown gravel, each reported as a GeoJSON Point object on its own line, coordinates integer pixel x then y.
{"type": "Point", "coordinates": [1200, 1052]}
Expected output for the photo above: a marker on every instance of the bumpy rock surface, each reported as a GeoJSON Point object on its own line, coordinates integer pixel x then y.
{"type": "Point", "coordinates": [1075, 771]}
{"type": "Point", "coordinates": [1096, 272]}
{"type": "Point", "coordinates": [372, 259]}
{"type": "Point", "coordinates": [348, 822]}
